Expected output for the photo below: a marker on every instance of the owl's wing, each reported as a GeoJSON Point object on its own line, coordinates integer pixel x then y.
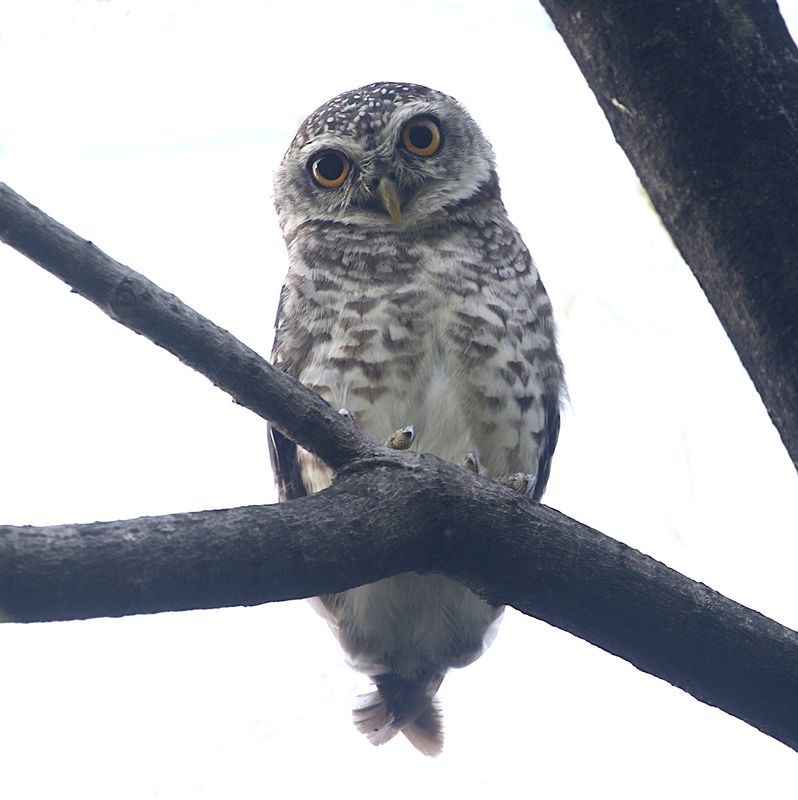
{"type": "Point", "coordinates": [285, 465]}
{"type": "Point", "coordinates": [286, 355]}
{"type": "Point", "coordinates": [551, 410]}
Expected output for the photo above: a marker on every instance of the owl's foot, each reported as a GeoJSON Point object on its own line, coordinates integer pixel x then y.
{"type": "Point", "coordinates": [345, 412]}
{"type": "Point", "coordinates": [471, 462]}
{"type": "Point", "coordinates": [401, 439]}
{"type": "Point", "coordinates": [521, 482]}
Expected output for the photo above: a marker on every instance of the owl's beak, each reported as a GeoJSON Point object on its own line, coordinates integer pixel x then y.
{"type": "Point", "coordinates": [390, 199]}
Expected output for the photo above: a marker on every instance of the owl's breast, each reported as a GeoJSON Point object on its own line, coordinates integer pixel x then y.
{"type": "Point", "coordinates": [435, 355]}
{"type": "Point", "coordinates": [383, 358]}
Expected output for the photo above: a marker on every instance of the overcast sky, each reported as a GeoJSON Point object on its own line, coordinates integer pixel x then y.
{"type": "Point", "coordinates": [153, 130]}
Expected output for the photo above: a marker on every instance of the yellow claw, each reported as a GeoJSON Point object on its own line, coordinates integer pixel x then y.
{"type": "Point", "coordinates": [471, 462]}
{"type": "Point", "coordinates": [401, 439]}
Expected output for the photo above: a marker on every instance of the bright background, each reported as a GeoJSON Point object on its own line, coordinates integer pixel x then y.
{"type": "Point", "coordinates": [153, 129]}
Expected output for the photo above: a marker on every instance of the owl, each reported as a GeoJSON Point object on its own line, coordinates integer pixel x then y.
{"type": "Point", "coordinates": [411, 299]}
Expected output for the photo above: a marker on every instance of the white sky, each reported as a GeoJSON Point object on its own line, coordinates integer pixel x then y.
{"type": "Point", "coordinates": [153, 129]}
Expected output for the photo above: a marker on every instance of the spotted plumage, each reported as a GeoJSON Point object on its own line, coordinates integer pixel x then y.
{"type": "Point", "coordinates": [411, 299]}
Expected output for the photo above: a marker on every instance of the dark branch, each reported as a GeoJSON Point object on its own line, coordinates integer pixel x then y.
{"type": "Point", "coordinates": [404, 512]}
{"type": "Point", "coordinates": [703, 97]}
{"type": "Point", "coordinates": [140, 305]}
{"type": "Point", "coordinates": [386, 513]}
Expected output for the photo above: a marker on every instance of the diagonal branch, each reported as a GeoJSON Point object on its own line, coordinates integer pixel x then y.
{"type": "Point", "coordinates": [139, 304]}
{"type": "Point", "coordinates": [386, 513]}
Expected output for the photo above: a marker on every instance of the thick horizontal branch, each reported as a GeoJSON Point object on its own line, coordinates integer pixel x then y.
{"type": "Point", "coordinates": [144, 307]}
{"type": "Point", "coordinates": [405, 512]}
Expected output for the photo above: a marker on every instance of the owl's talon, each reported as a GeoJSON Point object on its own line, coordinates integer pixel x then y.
{"type": "Point", "coordinates": [471, 462]}
{"type": "Point", "coordinates": [521, 482]}
{"type": "Point", "coordinates": [345, 412]}
{"type": "Point", "coordinates": [401, 439]}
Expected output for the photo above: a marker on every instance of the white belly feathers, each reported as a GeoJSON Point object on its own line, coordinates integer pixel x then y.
{"type": "Point", "coordinates": [395, 364]}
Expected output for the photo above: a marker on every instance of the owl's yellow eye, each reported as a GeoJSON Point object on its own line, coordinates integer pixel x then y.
{"type": "Point", "coordinates": [330, 169]}
{"type": "Point", "coordinates": [421, 136]}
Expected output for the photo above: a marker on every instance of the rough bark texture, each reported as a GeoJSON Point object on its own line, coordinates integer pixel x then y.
{"type": "Point", "coordinates": [406, 512]}
{"type": "Point", "coordinates": [703, 97]}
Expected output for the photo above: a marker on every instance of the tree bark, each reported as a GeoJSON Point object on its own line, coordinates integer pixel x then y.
{"type": "Point", "coordinates": [402, 512]}
{"type": "Point", "coordinates": [387, 512]}
{"type": "Point", "coordinates": [703, 97]}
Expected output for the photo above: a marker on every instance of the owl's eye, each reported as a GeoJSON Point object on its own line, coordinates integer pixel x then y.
{"type": "Point", "coordinates": [330, 169]}
{"type": "Point", "coordinates": [421, 136]}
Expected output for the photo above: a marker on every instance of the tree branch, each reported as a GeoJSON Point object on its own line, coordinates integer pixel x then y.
{"type": "Point", "coordinates": [386, 513]}
{"type": "Point", "coordinates": [139, 304]}
{"type": "Point", "coordinates": [703, 97]}
{"type": "Point", "coordinates": [402, 512]}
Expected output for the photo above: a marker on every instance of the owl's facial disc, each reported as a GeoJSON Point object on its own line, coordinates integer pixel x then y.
{"type": "Point", "coordinates": [387, 158]}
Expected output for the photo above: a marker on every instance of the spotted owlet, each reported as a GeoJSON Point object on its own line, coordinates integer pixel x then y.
{"type": "Point", "coordinates": [411, 299]}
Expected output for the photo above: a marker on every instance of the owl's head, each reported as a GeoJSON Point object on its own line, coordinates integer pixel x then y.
{"type": "Point", "coordinates": [383, 157]}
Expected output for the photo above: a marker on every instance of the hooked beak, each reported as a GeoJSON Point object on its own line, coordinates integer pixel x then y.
{"type": "Point", "coordinates": [390, 199]}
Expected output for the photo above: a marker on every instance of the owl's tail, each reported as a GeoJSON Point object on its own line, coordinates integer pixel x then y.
{"type": "Point", "coordinates": [402, 705]}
